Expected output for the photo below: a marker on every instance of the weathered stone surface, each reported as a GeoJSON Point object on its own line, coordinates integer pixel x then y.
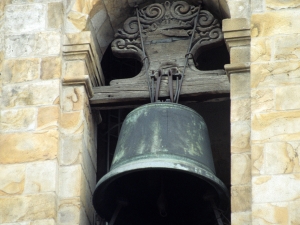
{"type": "Point", "coordinates": [275, 188]}
{"type": "Point", "coordinates": [76, 21]}
{"type": "Point", "coordinates": [73, 98]}
{"type": "Point", "coordinates": [105, 35]}
{"type": "Point", "coordinates": [55, 15]}
{"type": "Point", "coordinates": [18, 119]}
{"type": "Point", "coordinates": [286, 47]}
{"type": "Point", "coordinates": [273, 213]}
{"type": "Point", "coordinates": [239, 86]}
{"type": "Point", "coordinates": [275, 74]}
{"type": "Point", "coordinates": [26, 208]}
{"type": "Point", "coordinates": [86, 197]}
{"type": "Point", "coordinates": [239, 9]}
{"type": "Point", "coordinates": [287, 97]}
{"type": "Point", "coordinates": [72, 145]}
{"type": "Point", "coordinates": [27, 45]}
{"type": "Point", "coordinates": [240, 198]}
{"type": "Point", "coordinates": [262, 100]}
{"type": "Point", "coordinates": [12, 178]}
{"type": "Point", "coordinates": [99, 17]}
{"type": "Point", "coordinates": [83, 216]}
{"type": "Point", "coordinates": [279, 4]}
{"type": "Point", "coordinates": [257, 158]}
{"type": "Point", "coordinates": [240, 169]}
{"type": "Point", "coordinates": [88, 169]}
{"type": "Point", "coordinates": [240, 109]}
{"type": "Point", "coordinates": [279, 126]}
{"type": "Point", "coordinates": [240, 54]}
{"type": "Point", "coordinates": [33, 14]}
{"type": "Point", "coordinates": [241, 218]}
{"type": "Point", "coordinates": [118, 11]}
{"type": "Point", "coordinates": [28, 147]}
{"type": "Point", "coordinates": [15, 71]}
{"type": "Point", "coordinates": [75, 68]}
{"type": "Point", "coordinates": [70, 181]}
{"type": "Point", "coordinates": [294, 212]}
{"type": "Point", "coordinates": [69, 211]}
{"type": "Point", "coordinates": [240, 137]}
{"type": "Point", "coordinates": [38, 93]}
{"type": "Point", "coordinates": [275, 22]}
{"type": "Point", "coordinates": [50, 68]}
{"type": "Point", "coordinates": [257, 6]}
{"type": "Point", "coordinates": [261, 49]}
{"type": "Point", "coordinates": [41, 177]}
{"type": "Point", "coordinates": [43, 222]}
{"type": "Point", "coordinates": [72, 122]}
{"type": "Point", "coordinates": [48, 117]}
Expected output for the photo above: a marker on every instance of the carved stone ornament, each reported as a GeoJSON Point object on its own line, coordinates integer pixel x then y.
{"type": "Point", "coordinates": [166, 31]}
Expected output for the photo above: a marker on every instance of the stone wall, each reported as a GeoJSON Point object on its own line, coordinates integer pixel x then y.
{"type": "Point", "coordinates": [275, 112]}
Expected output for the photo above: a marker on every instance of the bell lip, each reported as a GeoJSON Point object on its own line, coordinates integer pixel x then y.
{"type": "Point", "coordinates": [148, 164]}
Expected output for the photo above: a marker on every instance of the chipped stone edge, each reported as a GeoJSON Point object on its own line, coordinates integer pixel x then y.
{"type": "Point", "coordinates": [82, 80]}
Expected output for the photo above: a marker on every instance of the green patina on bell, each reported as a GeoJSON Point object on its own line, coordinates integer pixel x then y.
{"type": "Point", "coordinates": [162, 170]}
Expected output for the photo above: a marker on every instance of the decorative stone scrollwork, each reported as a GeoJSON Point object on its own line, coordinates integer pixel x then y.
{"type": "Point", "coordinates": [167, 27]}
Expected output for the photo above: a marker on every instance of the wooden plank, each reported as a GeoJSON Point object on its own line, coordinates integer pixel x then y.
{"type": "Point", "coordinates": [134, 91]}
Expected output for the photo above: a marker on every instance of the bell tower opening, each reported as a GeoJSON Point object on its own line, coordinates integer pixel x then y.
{"type": "Point", "coordinates": [124, 75]}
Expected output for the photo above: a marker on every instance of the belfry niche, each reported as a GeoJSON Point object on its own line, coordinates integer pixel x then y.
{"type": "Point", "coordinates": [162, 171]}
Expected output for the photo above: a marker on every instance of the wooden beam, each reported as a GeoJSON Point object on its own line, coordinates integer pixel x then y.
{"type": "Point", "coordinates": [198, 86]}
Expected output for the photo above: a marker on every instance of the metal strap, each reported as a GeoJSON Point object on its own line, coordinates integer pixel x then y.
{"type": "Point", "coordinates": [187, 55]}
{"type": "Point", "coordinates": [145, 57]}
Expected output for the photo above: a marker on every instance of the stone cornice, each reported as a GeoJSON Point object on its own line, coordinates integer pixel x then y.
{"type": "Point", "coordinates": [80, 46]}
{"type": "Point", "coordinates": [237, 68]}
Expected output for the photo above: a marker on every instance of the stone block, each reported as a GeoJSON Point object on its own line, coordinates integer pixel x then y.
{"type": "Point", "coordinates": [279, 5]}
{"type": "Point", "coordinates": [240, 137]}
{"type": "Point", "coordinates": [118, 11]}
{"type": "Point", "coordinates": [257, 158]}
{"type": "Point", "coordinates": [98, 19]}
{"type": "Point", "coordinates": [294, 212]}
{"type": "Point", "coordinates": [15, 71]}
{"type": "Point", "coordinates": [105, 35]}
{"type": "Point", "coordinates": [23, 119]}
{"type": "Point", "coordinates": [55, 15]}
{"type": "Point", "coordinates": [261, 49]}
{"type": "Point", "coordinates": [257, 6]}
{"type": "Point", "coordinates": [28, 147]}
{"type": "Point", "coordinates": [287, 97]}
{"type": "Point", "coordinates": [276, 126]}
{"type": "Point", "coordinates": [26, 208]}
{"type": "Point", "coordinates": [25, 18]}
{"type": "Point", "coordinates": [240, 109]}
{"type": "Point", "coordinates": [73, 98]}
{"type": "Point", "coordinates": [72, 146]}
{"type": "Point", "coordinates": [274, 23]}
{"type": "Point", "coordinates": [240, 54]}
{"type": "Point", "coordinates": [241, 218]}
{"type": "Point", "coordinates": [273, 213]}
{"type": "Point", "coordinates": [43, 222]}
{"type": "Point", "coordinates": [275, 74]}
{"type": "Point", "coordinates": [240, 85]}
{"type": "Point", "coordinates": [48, 117]}
{"type": "Point", "coordinates": [76, 22]}
{"type": "Point", "coordinates": [83, 217]}
{"type": "Point", "coordinates": [239, 9]}
{"type": "Point", "coordinates": [86, 197]}
{"type": "Point", "coordinates": [28, 45]}
{"type": "Point", "coordinates": [89, 169]}
{"type": "Point", "coordinates": [50, 68]}
{"type": "Point", "coordinates": [262, 100]}
{"type": "Point", "coordinates": [70, 181]}
{"type": "Point", "coordinates": [41, 177]}
{"type": "Point", "coordinates": [279, 158]}
{"type": "Point", "coordinates": [12, 179]}
{"type": "Point", "coordinates": [75, 68]}
{"type": "Point", "coordinates": [69, 211]}
{"type": "Point", "coordinates": [284, 47]}
{"type": "Point", "coordinates": [240, 198]}
{"type": "Point", "coordinates": [240, 169]}
{"type": "Point", "coordinates": [72, 123]}
{"type": "Point", "coordinates": [275, 188]}
{"type": "Point", "coordinates": [31, 94]}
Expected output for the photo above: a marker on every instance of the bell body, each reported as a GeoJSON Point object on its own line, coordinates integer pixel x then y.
{"type": "Point", "coordinates": [162, 169]}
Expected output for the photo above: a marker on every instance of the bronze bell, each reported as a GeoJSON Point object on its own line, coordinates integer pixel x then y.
{"type": "Point", "coordinates": [162, 171]}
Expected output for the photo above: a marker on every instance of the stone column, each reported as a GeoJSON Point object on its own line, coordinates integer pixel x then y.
{"type": "Point", "coordinates": [237, 37]}
{"type": "Point", "coordinates": [275, 112]}
{"type": "Point", "coordinates": [78, 153]}
{"type": "Point", "coordinates": [30, 55]}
